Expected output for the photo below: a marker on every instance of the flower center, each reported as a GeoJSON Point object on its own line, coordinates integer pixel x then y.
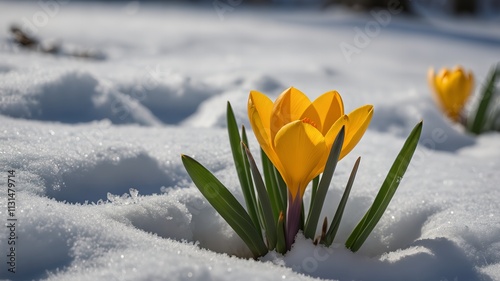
{"type": "Point", "coordinates": [309, 121]}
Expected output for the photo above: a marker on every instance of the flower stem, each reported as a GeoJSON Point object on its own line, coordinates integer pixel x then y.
{"type": "Point", "coordinates": [292, 218]}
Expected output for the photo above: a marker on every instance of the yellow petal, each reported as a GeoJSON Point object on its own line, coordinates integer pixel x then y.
{"type": "Point", "coordinates": [358, 122]}
{"type": "Point", "coordinates": [452, 90]}
{"type": "Point", "coordinates": [439, 88]}
{"type": "Point", "coordinates": [442, 87]}
{"type": "Point", "coordinates": [458, 83]}
{"type": "Point", "coordinates": [330, 108]}
{"type": "Point", "coordinates": [260, 103]}
{"type": "Point", "coordinates": [329, 139]}
{"type": "Point", "coordinates": [335, 129]}
{"type": "Point", "coordinates": [311, 116]}
{"type": "Point", "coordinates": [289, 107]}
{"type": "Point", "coordinates": [259, 114]}
{"type": "Point", "coordinates": [299, 147]}
{"type": "Point", "coordinates": [462, 83]}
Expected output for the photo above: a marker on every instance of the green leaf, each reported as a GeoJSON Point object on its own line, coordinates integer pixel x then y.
{"type": "Point", "coordinates": [249, 177]}
{"type": "Point", "coordinates": [326, 178]}
{"type": "Point", "coordinates": [244, 138]}
{"type": "Point", "coordinates": [495, 124]}
{"type": "Point", "coordinates": [479, 121]}
{"type": "Point", "coordinates": [314, 189]}
{"type": "Point", "coordinates": [282, 189]}
{"type": "Point", "coordinates": [280, 229]}
{"type": "Point", "coordinates": [332, 231]}
{"type": "Point", "coordinates": [265, 203]}
{"type": "Point", "coordinates": [271, 184]}
{"type": "Point", "coordinates": [386, 192]}
{"type": "Point", "coordinates": [226, 205]}
{"type": "Point", "coordinates": [242, 167]}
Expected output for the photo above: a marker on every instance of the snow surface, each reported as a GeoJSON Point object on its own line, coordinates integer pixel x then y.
{"type": "Point", "coordinates": [101, 193]}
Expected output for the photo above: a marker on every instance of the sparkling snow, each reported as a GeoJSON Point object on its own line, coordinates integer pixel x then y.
{"type": "Point", "coordinates": [101, 193]}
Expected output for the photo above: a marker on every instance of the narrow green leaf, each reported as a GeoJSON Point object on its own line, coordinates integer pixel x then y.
{"type": "Point", "coordinates": [386, 192]}
{"type": "Point", "coordinates": [280, 229]}
{"type": "Point", "coordinates": [271, 184]}
{"type": "Point", "coordinates": [332, 231]}
{"type": "Point", "coordinates": [244, 138]}
{"type": "Point", "coordinates": [314, 189]}
{"type": "Point", "coordinates": [478, 122]}
{"type": "Point", "coordinates": [282, 189]}
{"type": "Point", "coordinates": [226, 205]}
{"type": "Point", "coordinates": [276, 187]}
{"type": "Point", "coordinates": [326, 178]}
{"type": "Point", "coordinates": [251, 190]}
{"type": "Point", "coordinates": [493, 119]}
{"type": "Point", "coordinates": [242, 168]}
{"type": "Point", "coordinates": [495, 124]}
{"type": "Point", "coordinates": [265, 203]}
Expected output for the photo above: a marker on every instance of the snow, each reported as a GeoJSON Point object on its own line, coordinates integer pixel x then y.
{"type": "Point", "coordinates": [101, 193]}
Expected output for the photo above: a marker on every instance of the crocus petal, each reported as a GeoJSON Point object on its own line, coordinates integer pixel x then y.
{"type": "Point", "coordinates": [299, 146]}
{"type": "Point", "coordinates": [329, 139]}
{"type": "Point", "coordinates": [260, 103]}
{"type": "Point", "coordinates": [359, 119]}
{"type": "Point", "coordinates": [330, 108]}
{"type": "Point", "coordinates": [259, 111]}
{"type": "Point", "coordinates": [289, 107]}
{"type": "Point", "coordinates": [441, 86]}
{"type": "Point", "coordinates": [461, 84]}
{"type": "Point", "coordinates": [334, 131]}
{"type": "Point", "coordinates": [457, 84]}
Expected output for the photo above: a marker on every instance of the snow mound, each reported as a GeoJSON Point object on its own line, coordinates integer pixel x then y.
{"type": "Point", "coordinates": [399, 115]}
{"type": "Point", "coordinates": [212, 112]}
{"type": "Point", "coordinates": [90, 184]}
{"type": "Point", "coordinates": [68, 96]}
{"type": "Point", "coordinates": [101, 191]}
{"type": "Point", "coordinates": [74, 96]}
{"type": "Point", "coordinates": [169, 97]}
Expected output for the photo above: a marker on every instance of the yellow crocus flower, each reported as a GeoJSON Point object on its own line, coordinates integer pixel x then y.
{"type": "Point", "coordinates": [297, 134]}
{"type": "Point", "coordinates": [451, 89]}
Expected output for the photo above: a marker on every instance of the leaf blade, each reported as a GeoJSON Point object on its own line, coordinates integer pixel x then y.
{"type": "Point", "coordinates": [386, 192]}
{"type": "Point", "coordinates": [280, 231]}
{"type": "Point", "coordinates": [478, 124]}
{"type": "Point", "coordinates": [242, 168]}
{"type": "Point", "coordinates": [332, 231]}
{"type": "Point", "coordinates": [271, 184]}
{"type": "Point", "coordinates": [326, 178]}
{"type": "Point", "coordinates": [226, 205]}
{"type": "Point", "coordinates": [265, 203]}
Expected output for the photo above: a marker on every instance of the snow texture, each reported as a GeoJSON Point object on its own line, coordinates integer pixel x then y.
{"type": "Point", "coordinates": [101, 193]}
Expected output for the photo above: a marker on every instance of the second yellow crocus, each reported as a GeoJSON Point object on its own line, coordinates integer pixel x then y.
{"type": "Point", "coordinates": [451, 89]}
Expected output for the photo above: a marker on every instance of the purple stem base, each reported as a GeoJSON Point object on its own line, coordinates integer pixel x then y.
{"type": "Point", "coordinates": [292, 219]}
